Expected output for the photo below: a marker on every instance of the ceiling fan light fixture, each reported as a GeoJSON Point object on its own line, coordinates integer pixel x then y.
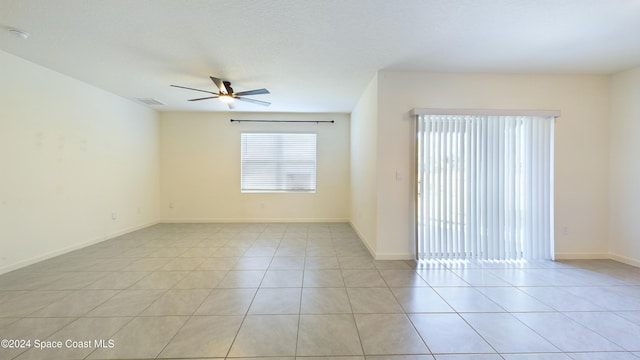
{"type": "Point", "coordinates": [226, 98]}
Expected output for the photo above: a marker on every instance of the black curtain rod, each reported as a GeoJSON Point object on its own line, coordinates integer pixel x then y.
{"type": "Point", "coordinates": [287, 121]}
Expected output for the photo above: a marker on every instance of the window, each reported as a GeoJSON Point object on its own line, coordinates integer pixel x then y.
{"type": "Point", "coordinates": [278, 162]}
{"type": "Point", "coordinates": [485, 187]}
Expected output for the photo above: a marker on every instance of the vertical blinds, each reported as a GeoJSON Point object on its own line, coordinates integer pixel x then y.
{"type": "Point", "coordinates": [278, 162]}
{"type": "Point", "coordinates": [485, 187]}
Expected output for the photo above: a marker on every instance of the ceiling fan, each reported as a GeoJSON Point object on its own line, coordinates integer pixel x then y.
{"type": "Point", "coordinates": [226, 94]}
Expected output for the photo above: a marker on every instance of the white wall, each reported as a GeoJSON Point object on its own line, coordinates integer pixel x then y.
{"type": "Point", "coordinates": [70, 155]}
{"type": "Point", "coordinates": [625, 167]}
{"type": "Point", "coordinates": [363, 190]}
{"type": "Point", "coordinates": [200, 170]}
{"type": "Point", "coordinates": [581, 159]}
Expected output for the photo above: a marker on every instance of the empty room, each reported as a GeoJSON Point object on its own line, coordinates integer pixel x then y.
{"type": "Point", "coordinates": [318, 180]}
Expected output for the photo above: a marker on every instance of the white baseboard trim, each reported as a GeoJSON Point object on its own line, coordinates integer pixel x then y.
{"type": "Point", "coordinates": [251, 220]}
{"type": "Point", "coordinates": [131, 229]}
{"type": "Point", "coordinates": [366, 244]}
{"type": "Point", "coordinates": [383, 256]}
{"type": "Point", "coordinates": [394, 256]}
{"type": "Point", "coordinates": [625, 260]}
{"type": "Point", "coordinates": [598, 256]}
{"type": "Point", "coordinates": [69, 249]}
{"type": "Point", "coordinates": [581, 256]}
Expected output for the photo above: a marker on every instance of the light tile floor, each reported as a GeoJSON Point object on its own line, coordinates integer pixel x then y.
{"type": "Point", "coordinates": [312, 291]}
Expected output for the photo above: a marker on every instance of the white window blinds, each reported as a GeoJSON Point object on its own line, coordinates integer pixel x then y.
{"type": "Point", "coordinates": [485, 187]}
{"type": "Point", "coordinates": [278, 162]}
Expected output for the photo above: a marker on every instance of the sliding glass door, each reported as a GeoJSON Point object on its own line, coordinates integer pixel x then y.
{"type": "Point", "coordinates": [485, 187]}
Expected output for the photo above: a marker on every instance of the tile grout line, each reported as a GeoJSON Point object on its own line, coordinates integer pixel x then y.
{"type": "Point", "coordinates": [304, 263]}
{"type": "Point", "coordinates": [235, 337]}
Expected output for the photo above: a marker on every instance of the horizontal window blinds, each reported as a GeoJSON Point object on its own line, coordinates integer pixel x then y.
{"type": "Point", "coordinates": [278, 162]}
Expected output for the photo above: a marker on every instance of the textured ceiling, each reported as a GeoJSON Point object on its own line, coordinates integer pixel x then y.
{"type": "Point", "coordinates": [313, 55]}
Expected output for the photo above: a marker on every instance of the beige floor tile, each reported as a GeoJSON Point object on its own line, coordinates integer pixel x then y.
{"type": "Point", "coordinates": [467, 299]}
{"type": "Point", "coordinates": [159, 280]}
{"type": "Point", "coordinates": [252, 263]}
{"type": "Point", "coordinates": [328, 335]}
{"type": "Point", "coordinates": [615, 328]}
{"type": "Point", "coordinates": [147, 264]}
{"type": "Point", "coordinates": [513, 299]}
{"type": "Point", "coordinates": [142, 337]}
{"type": "Point", "coordinates": [187, 264]}
{"type": "Point", "coordinates": [506, 334]}
{"type": "Point", "coordinates": [177, 302]}
{"type": "Point", "coordinates": [266, 335]}
{"type": "Point", "coordinates": [267, 251]}
{"type": "Point", "coordinates": [74, 280]}
{"type": "Point", "coordinates": [29, 302]}
{"type": "Point", "coordinates": [76, 303]}
{"type": "Point", "coordinates": [223, 263]}
{"type": "Point", "coordinates": [287, 263]}
{"type": "Point", "coordinates": [420, 300]}
{"type": "Point", "coordinates": [227, 302]}
{"type": "Point", "coordinates": [276, 301]}
{"type": "Point", "coordinates": [402, 278]}
{"type": "Point", "coordinates": [242, 279]}
{"type": "Point", "coordinates": [355, 262]}
{"type": "Point", "coordinates": [323, 278]}
{"type": "Point", "coordinates": [363, 278]}
{"type": "Point", "coordinates": [203, 336]}
{"type": "Point", "coordinates": [127, 303]}
{"type": "Point", "coordinates": [322, 263]}
{"type": "Point", "coordinates": [228, 252]}
{"type": "Point", "coordinates": [201, 279]}
{"type": "Point", "coordinates": [373, 301]}
{"type": "Point", "coordinates": [391, 265]}
{"type": "Point", "coordinates": [449, 333]}
{"type": "Point", "coordinates": [399, 336]}
{"type": "Point", "coordinates": [286, 250]}
{"type": "Point", "coordinates": [6, 321]}
{"type": "Point", "coordinates": [566, 334]}
{"type": "Point", "coordinates": [325, 301]}
{"type": "Point", "coordinates": [282, 278]}
{"type": "Point", "coordinates": [118, 280]}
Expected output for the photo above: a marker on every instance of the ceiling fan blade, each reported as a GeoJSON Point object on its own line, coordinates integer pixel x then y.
{"type": "Point", "coordinates": [205, 98]}
{"type": "Point", "coordinates": [218, 83]}
{"type": "Point", "coordinates": [188, 88]}
{"type": "Point", "coordinates": [253, 92]}
{"type": "Point", "coordinates": [259, 102]}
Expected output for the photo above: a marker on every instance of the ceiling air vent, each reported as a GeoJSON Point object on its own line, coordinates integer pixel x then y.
{"type": "Point", "coordinates": [149, 101]}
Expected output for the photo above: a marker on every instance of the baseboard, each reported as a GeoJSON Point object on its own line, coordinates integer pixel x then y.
{"type": "Point", "coordinates": [581, 256]}
{"type": "Point", "coordinates": [251, 220]}
{"type": "Point", "coordinates": [366, 244]}
{"type": "Point", "coordinates": [131, 229]}
{"type": "Point", "coordinates": [380, 256]}
{"type": "Point", "coordinates": [625, 260]}
{"type": "Point", "coordinates": [68, 249]}
{"type": "Point", "coordinates": [394, 256]}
